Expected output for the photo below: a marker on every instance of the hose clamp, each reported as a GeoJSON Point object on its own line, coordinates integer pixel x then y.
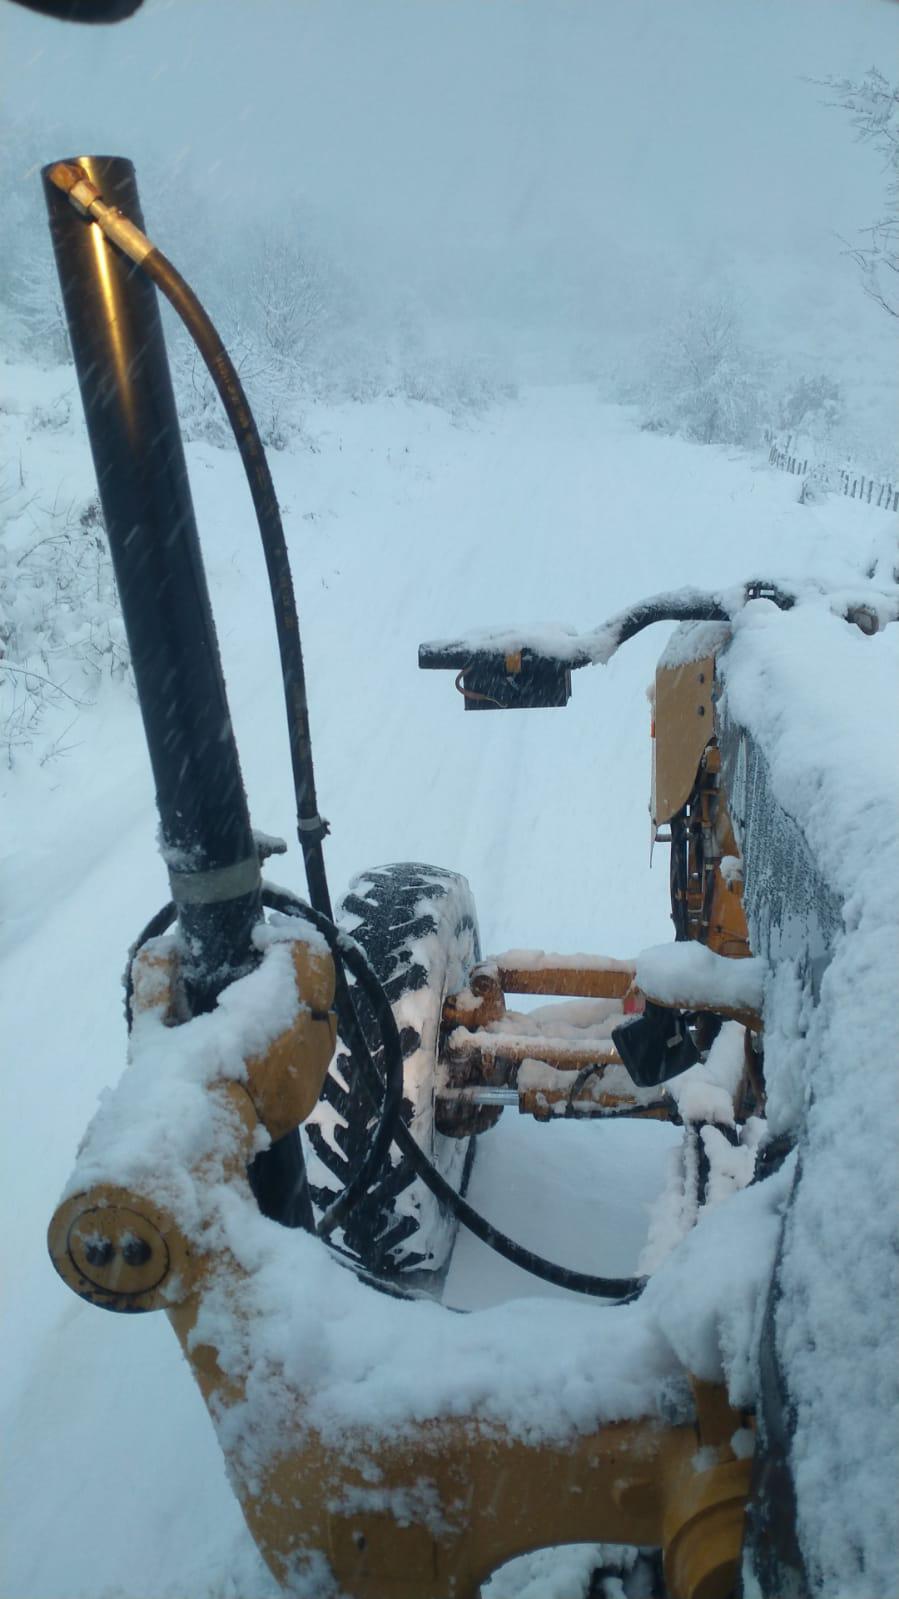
{"type": "Point", "coordinates": [216, 884]}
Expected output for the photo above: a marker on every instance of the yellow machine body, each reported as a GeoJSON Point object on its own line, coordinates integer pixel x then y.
{"type": "Point", "coordinates": [492, 1494]}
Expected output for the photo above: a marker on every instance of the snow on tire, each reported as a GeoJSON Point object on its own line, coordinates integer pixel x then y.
{"type": "Point", "coordinates": [418, 926]}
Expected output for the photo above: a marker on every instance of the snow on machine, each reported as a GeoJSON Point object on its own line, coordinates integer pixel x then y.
{"type": "Point", "coordinates": [379, 1445]}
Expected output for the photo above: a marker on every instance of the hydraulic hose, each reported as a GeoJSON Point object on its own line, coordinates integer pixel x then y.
{"type": "Point", "coordinates": [347, 953]}
{"type": "Point", "coordinates": [385, 1094]}
{"type": "Point", "coordinates": [347, 950]}
{"type": "Point", "coordinates": [86, 198]}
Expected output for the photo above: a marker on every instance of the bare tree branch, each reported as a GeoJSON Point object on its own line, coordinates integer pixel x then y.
{"type": "Point", "coordinates": [873, 107]}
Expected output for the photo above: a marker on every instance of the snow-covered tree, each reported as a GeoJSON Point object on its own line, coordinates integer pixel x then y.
{"type": "Point", "coordinates": [704, 381]}
{"type": "Point", "coordinates": [811, 404]}
{"type": "Point", "coordinates": [272, 306]}
{"type": "Point", "coordinates": [37, 305]}
{"type": "Point", "coordinates": [30, 302]}
{"type": "Point", "coordinates": [873, 106]}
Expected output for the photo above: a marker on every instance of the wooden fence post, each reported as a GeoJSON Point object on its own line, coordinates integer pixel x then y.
{"type": "Point", "coordinates": [860, 488]}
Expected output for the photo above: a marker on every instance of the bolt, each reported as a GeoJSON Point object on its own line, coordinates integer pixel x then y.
{"type": "Point", "coordinates": [98, 1252]}
{"type": "Point", "coordinates": [135, 1251]}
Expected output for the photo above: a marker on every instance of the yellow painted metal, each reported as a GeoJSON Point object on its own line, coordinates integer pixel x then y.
{"type": "Point", "coordinates": [684, 723]}
{"type": "Point", "coordinates": [284, 1084]}
{"type": "Point", "coordinates": [93, 1232]}
{"type": "Point", "coordinates": [430, 1511]}
{"type": "Point", "coordinates": [491, 1052]}
{"type": "Point", "coordinates": [713, 904]}
{"type": "Point", "coordinates": [123, 1251]}
{"type": "Point", "coordinates": [427, 1512]}
{"type": "Point", "coordinates": [593, 981]}
{"type": "Point", "coordinates": [727, 932]}
{"type": "Point", "coordinates": [483, 1001]}
{"type": "Point", "coordinates": [695, 1002]}
{"type": "Point", "coordinates": [539, 1102]}
{"type": "Point", "coordinates": [703, 1530]}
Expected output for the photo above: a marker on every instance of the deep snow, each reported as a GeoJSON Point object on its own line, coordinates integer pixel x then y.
{"type": "Point", "coordinates": [402, 526]}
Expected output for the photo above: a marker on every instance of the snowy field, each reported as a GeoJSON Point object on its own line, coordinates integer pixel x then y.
{"type": "Point", "coordinates": [403, 525]}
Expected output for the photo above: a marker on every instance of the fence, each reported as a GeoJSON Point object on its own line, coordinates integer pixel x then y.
{"type": "Point", "coordinates": [841, 480]}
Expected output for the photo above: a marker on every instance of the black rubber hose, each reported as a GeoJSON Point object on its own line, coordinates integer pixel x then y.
{"type": "Point", "coordinates": [159, 924]}
{"type": "Point", "coordinates": [687, 605]}
{"type": "Point", "coordinates": [346, 952]}
{"type": "Point", "coordinates": [311, 829]}
{"type": "Point", "coordinates": [345, 948]}
{"type": "Point", "coordinates": [680, 605]}
{"type": "Point", "coordinates": [388, 1100]}
{"type": "Point", "coordinates": [386, 1097]}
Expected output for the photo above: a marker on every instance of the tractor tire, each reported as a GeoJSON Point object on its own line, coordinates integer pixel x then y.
{"type": "Point", "coordinates": [418, 926]}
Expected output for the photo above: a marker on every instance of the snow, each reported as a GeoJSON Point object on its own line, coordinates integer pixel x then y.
{"type": "Point", "coordinates": [707, 1091]}
{"type": "Point", "coordinates": [834, 764]}
{"type": "Point", "coordinates": [159, 1125]}
{"type": "Point", "coordinates": [539, 960]}
{"type": "Point", "coordinates": [545, 814]}
{"type": "Point", "coordinates": [689, 975]}
{"type": "Point", "coordinates": [706, 1300]}
{"type": "Point", "coordinates": [573, 1191]}
{"type": "Point", "coordinates": [294, 1331]}
{"type": "Point", "coordinates": [597, 646]}
{"type": "Point", "coordinates": [556, 641]}
{"type": "Point", "coordinates": [693, 641]}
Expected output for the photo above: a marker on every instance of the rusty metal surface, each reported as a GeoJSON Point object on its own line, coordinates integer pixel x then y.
{"type": "Point", "coordinates": [487, 1057]}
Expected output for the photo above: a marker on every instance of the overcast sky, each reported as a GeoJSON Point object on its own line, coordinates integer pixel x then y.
{"type": "Point", "coordinates": [452, 127]}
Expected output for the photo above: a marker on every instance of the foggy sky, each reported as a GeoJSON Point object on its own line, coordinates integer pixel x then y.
{"type": "Point", "coordinates": [447, 130]}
